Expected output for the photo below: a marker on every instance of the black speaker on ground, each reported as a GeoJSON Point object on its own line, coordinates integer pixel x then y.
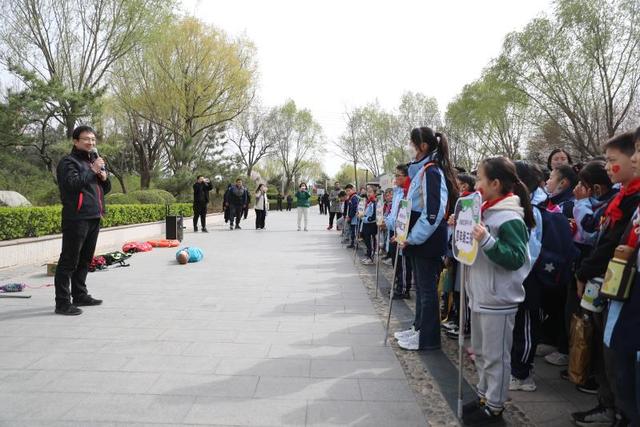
{"type": "Point", "coordinates": [174, 226]}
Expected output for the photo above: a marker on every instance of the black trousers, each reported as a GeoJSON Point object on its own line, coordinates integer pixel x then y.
{"type": "Point", "coordinates": [403, 272]}
{"type": "Point", "coordinates": [369, 234]}
{"type": "Point", "coordinates": [526, 334]}
{"type": "Point", "coordinates": [554, 330]}
{"type": "Point", "coordinates": [261, 215]}
{"type": "Point", "coordinates": [628, 385]}
{"type": "Point", "coordinates": [235, 213]}
{"type": "Point", "coordinates": [279, 205]}
{"type": "Point", "coordinates": [199, 210]}
{"type": "Point", "coordinates": [337, 215]}
{"type": "Point", "coordinates": [78, 245]}
{"type": "Point", "coordinates": [289, 205]}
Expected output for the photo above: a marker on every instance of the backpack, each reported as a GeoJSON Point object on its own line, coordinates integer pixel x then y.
{"type": "Point", "coordinates": [132, 247]}
{"type": "Point", "coordinates": [554, 265]}
{"type": "Point", "coordinates": [116, 257]}
{"type": "Point", "coordinates": [97, 263]}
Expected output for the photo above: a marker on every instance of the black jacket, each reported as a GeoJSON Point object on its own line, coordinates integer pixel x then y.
{"type": "Point", "coordinates": [201, 192]}
{"type": "Point", "coordinates": [81, 191]}
{"type": "Point", "coordinates": [596, 263]}
{"type": "Point", "coordinates": [237, 197]}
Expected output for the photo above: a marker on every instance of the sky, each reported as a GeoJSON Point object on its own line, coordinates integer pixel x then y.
{"type": "Point", "coordinates": [331, 56]}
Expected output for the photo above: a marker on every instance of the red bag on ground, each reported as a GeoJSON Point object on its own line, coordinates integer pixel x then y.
{"type": "Point", "coordinates": [97, 263]}
{"type": "Point", "coordinates": [131, 247]}
{"type": "Point", "coordinates": [163, 243]}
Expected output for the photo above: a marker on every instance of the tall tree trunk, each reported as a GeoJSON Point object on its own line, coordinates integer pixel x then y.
{"type": "Point", "coordinates": [355, 173]}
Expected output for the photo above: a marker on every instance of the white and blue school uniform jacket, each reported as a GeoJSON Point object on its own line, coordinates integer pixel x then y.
{"type": "Point", "coordinates": [390, 219]}
{"type": "Point", "coordinates": [369, 213]}
{"type": "Point", "coordinates": [429, 196]}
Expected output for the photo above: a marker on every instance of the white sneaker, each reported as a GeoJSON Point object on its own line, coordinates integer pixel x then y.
{"type": "Point", "coordinates": [527, 384]}
{"type": "Point", "coordinates": [412, 343]}
{"type": "Point", "coordinates": [449, 325]}
{"type": "Point", "coordinates": [557, 359]}
{"type": "Point", "coordinates": [403, 335]}
{"type": "Point", "coordinates": [298, 228]}
{"type": "Point", "coordinates": [387, 261]}
{"type": "Point", "coordinates": [545, 349]}
{"type": "Point", "coordinates": [367, 261]}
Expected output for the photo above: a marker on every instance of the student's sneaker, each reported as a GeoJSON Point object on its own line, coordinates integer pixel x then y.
{"type": "Point", "coordinates": [455, 333]}
{"type": "Point", "coordinates": [527, 384]}
{"type": "Point", "coordinates": [449, 325]}
{"type": "Point", "coordinates": [329, 227]}
{"type": "Point", "coordinates": [403, 335]}
{"type": "Point", "coordinates": [86, 301]}
{"type": "Point", "coordinates": [387, 261]}
{"type": "Point", "coordinates": [557, 359]}
{"type": "Point", "coordinates": [598, 416]}
{"type": "Point", "coordinates": [367, 261]}
{"type": "Point", "coordinates": [412, 343]}
{"type": "Point", "coordinates": [351, 246]}
{"type": "Point", "coordinates": [590, 387]}
{"type": "Point", "coordinates": [545, 349]}
{"type": "Point", "coordinates": [484, 417]}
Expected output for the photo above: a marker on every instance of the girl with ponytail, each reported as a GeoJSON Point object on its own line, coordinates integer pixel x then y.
{"type": "Point", "coordinates": [495, 283]}
{"type": "Point", "coordinates": [432, 192]}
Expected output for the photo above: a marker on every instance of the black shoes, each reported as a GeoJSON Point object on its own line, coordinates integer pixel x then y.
{"type": "Point", "coordinates": [195, 229]}
{"type": "Point", "coordinates": [350, 247]}
{"type": "Point", "coordinates": [482, 416]}
{"type": "Point", "coordinates": [86, 301]}
{"type": "Point", "coordinates": [68, 310]}
{"type": "Point", "coordinates": [204, 230]}
{"type": "Point", "coordinates": [238, 227]}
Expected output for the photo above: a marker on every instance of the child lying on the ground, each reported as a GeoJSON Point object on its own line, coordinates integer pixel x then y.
{"type": "Point", "coordinates": [189, 254]}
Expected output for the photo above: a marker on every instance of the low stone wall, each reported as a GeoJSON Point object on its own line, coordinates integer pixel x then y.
{"type": "Point", "coordinates": [15, 253]}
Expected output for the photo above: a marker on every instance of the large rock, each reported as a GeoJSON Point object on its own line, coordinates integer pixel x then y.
{"type": "Point", "coordinates": [13, 199]}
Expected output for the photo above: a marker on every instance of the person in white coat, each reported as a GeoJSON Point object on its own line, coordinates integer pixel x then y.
{"type": "Point", "coordinates": [261, 206]}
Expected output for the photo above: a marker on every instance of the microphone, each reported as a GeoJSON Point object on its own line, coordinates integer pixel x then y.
{"type": "Point", "coordinates": [93, 155]}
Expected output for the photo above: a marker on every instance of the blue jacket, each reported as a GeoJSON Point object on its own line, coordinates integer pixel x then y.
{"type": "Point", "coordinates": [352, 208]}
{"type": "Point", "coordinates": [370, 213]}
{"type": "Point", "coordinates": [429, 197]}
{"type": "Point", "coordinates": [390, 220]}
{"type": "Point", "coordinates": [195, 254]}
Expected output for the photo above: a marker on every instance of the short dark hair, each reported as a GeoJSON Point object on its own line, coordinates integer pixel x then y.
{"type": "Point", "coordinates": [567, 172]}
{"type": "Point", "coordinates": [348, 187]}
{"type": "Point", "coordinates": [530, 174]}
{"type": "Point", "coordinates": [404, 168]}
{"type": "Point", "coordinates": [302, 183]}
{"type": "Point", "coordinates": [342, 193]}
{"type": "Point", "coordinates": [80, 129]}
{"type": "Point", "coordinates": [625, 143]}
{"type": "Point", "coordinates": [460, 169]}
{"type": "Point", "coordinates": [467, 179]}
{"type": "Point", "coordinates": [200, 176]}
{"type": "Point", "coordinates": [556, 151]}
{"type": "Point", "coordinates": [594, 173]}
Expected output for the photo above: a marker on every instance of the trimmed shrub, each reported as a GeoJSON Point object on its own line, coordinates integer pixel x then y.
{"type": "Point", "coordinates": [147, 197]}
{"type": "Point", "coordinates": [120, 199]}
{"type": "Point", "coordinates": [17, 223]}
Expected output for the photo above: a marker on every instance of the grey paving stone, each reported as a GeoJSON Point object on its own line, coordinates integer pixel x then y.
{"type": "Point", "coordinates": [205, 385]}
{"type": "Point", "coordinates": [102, 382]}
{"type": "Point", "coordinates": [131, 408]}
{"type": "Point", "coordinates": [283, 351]}
{"type": "Point", "coordinates": [37, 405]}
{"type": "Point", "coordinates": [26, 380]}
{"type": "Point", "coordinates": [264, 367]}
{"type": "Point", "coordinates": [297, 388]}
{"type": "Point", "coordinates": [378, 414]}
{"type": "Point", "coordinates": [81, 362]}
{"type": "Point", "coordinates": [228, 350]}
{"type": "Point", "coordinates": [386, 390]}
{"type": "Point", "coordinates": [167, 363]}
{"type": "Point", "coordinates": [356, 369]}
{"type": "Point", "coordinates": [243, 412]}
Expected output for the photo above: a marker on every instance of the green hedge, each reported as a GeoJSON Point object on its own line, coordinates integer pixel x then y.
{"type": "Point", "coordinates": [145, 197]}
{"type": "Point", "coordinates": [16, 223]}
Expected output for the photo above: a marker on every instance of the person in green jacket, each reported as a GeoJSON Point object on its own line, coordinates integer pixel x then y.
{"type": "Point", "coordinates": [303, 203]}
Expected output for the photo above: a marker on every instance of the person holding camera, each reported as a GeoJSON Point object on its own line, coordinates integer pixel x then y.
{"type": "Point", "coordinates": [83, 181]}
{"type": "Point", "coordinates": [261, 206]}
{"type": "Point", "coordinates": [200, 202]}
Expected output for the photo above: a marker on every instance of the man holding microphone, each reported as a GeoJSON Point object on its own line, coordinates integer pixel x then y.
{"type": "Point", "coordinates": [200, 201]}
{"type": "Point", "coordinates": [83, 181]}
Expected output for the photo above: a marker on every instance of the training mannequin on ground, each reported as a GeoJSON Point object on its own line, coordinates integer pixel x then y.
{"type": "Point", "coordinates": [189, 254]}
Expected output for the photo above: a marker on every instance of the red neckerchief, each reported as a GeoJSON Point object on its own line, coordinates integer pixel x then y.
{"type": "Point", "coordinates": [466, 193]}
{"type": "Point", "coordinates": [489, 203]}
{"type": "Point", "coordinates": [371, 199]}
{"type": "Point", "coordinates": [613, 211]}
{"type": "Point", "coordinates": [405, 187]}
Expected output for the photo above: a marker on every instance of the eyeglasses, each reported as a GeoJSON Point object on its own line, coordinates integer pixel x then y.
{"type": "Point", "coordinates": [86, 139]}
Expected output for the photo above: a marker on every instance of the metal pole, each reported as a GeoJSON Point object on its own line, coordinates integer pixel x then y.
{"type": "Point", "coordinates": [393, 284]}
{"type": "Point", "coordinates": [377, 260]}
{"type": "Point", "coordinates": [463, 309]}
{"type": "Point", "coordinates": [355, 244]}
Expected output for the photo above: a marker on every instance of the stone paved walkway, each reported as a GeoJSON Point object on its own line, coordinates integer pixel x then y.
{"type": "Point", "coordinates": [274, 327]}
